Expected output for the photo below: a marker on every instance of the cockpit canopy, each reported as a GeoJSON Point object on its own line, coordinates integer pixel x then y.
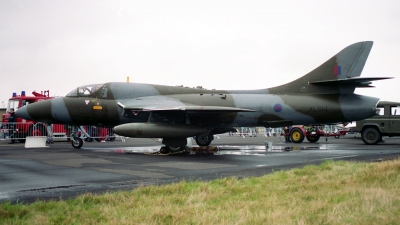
{"type": "Point", "coordinates": [91, 91]}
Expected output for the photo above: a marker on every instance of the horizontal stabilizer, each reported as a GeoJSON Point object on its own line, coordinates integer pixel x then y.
{"type": "Point", "coordinates": [353, 81]}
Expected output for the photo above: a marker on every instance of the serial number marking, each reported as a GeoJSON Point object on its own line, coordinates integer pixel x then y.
{"type": "Point", "coordinates": [318, 109]}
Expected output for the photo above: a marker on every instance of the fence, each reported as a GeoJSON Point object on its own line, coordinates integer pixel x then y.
{"type": "Point", "coordinates": [19, 131]}
{"type": "Point", "coordinates": [254, 131]}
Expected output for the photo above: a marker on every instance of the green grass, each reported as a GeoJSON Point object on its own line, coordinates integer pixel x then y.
{"type": "Point", "coordinates": [331, 193]}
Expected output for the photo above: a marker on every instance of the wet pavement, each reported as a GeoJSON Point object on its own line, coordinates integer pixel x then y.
{"type": "Point", "coordinates": [59, 171]}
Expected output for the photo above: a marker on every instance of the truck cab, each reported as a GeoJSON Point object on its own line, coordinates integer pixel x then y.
{"type": "Point", "coordinates": [17, 101]}
{"type": "Point", "coordinates": [24, 127]}
{"type": "Point", "coordinates": [386, 122]}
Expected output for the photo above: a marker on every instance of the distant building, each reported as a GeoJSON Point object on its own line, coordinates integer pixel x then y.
{"type": "Point", "coordinates": [2, 111]}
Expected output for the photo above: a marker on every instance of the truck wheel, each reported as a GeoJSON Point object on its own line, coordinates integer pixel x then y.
{"type": "Point", "coordinates": [36, 132]}
{"type": "Point", "coordinates": [313, 139]}
{"type": "Point", "coordinates": [296, 135]}
{"type": "Point", "coordinates": [371, 136]}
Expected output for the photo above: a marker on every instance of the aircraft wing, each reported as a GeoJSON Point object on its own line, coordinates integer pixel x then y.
{"type": "Point", "coordinates": [353, 81]}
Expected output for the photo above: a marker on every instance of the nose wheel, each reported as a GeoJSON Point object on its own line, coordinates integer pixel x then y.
{"type": "Point", "coordinates": [76, 142]}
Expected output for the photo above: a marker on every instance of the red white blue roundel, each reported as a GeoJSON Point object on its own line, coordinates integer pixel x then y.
{"type": "Point", "coordinates": [277, 107]}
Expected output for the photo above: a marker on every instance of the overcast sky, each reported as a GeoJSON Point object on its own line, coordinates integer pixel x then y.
{"type": "Point", "coordinates": [59, 45]}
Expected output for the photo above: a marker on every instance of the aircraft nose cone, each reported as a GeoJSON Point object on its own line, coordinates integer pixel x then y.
{"type": "Point", "coordinates": [23, 113]}
{"type": "Point", "coordinates": [38, 111]}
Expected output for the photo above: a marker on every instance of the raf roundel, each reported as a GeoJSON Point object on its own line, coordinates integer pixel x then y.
{"type": "Point", "coordinates": [277, 107]}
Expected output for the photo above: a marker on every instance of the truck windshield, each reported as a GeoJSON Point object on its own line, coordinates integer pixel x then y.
{"type": "Point", "coordinates": [394, 110]}
{"type": "Point", "coordinates": [13, 104]}
{"type": "Point", "coordinates": [85, 91]}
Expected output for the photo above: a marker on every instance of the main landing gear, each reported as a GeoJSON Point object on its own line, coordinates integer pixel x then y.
{"type": "Point", "coordinates": [171, 150]}
{"type": "Point", "coordinates": [174, 146]}
{"type": "Point", "coordinates": [182, 145]}
{"type": "Point", "coordinates": [204, 139]}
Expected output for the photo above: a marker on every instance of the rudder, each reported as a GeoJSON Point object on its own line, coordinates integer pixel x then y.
{"type": "Point", "coordinates": [351, 60]}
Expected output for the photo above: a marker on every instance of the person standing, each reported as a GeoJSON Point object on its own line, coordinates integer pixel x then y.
{"type": "Point", "coordinates": [12, 125]}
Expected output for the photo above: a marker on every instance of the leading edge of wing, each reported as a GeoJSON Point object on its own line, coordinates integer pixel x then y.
{"type": "Point", "coordinates": [185, 108]}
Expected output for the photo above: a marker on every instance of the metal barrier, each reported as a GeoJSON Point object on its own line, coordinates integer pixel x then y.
{"type": "Point", "coordinates": [254, 131]}
{"type": "Point", "coordinates": [96, 133]}
{"type": "Point", "coordinates": [3, 132]}
{"type": "Point", "coordinates": [19, 132]}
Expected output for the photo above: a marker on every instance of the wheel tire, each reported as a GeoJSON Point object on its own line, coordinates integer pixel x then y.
{"type": "Point", "coordinates": [77, 143]}
{"type": "Point", "coordinates": [164, 150]}
{"type": "Point", "coordinates": [313, 139]}
{"type": "Point", "coordinates": [371, 136]}
{"type": "Point", "coordinates": [296, 135]}
{"type": "Point", "coordinates": [204, 140]}
{"type": "Point", "coordinates": [175, 148]}
{"type": "Point", "coordinates": [37, 130]}
{"type": "Point", "coordinates": [34, 132]}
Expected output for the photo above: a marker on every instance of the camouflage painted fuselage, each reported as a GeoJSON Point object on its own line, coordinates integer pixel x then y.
{"type": "Point", "coordinates": [140, 100]}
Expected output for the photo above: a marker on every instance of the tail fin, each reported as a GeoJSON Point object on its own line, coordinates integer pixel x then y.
{"type": "Point", "coordinates": [340, 74]}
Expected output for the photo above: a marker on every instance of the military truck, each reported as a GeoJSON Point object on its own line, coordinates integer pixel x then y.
{"type": "Point", "coordinates": [386, 122]}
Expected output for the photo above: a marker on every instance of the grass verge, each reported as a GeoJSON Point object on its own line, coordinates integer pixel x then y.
{"type": "Point", "coordinates": [332, 193]}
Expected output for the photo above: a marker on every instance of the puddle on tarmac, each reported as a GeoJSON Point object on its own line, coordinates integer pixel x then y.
{"type": "Point", "coordinates": [223, 149]}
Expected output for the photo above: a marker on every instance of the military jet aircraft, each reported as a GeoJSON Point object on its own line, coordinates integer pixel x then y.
{"type": "Point", "coordinates": [322, 96]}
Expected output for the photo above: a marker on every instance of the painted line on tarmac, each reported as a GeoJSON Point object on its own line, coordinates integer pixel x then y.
{"type": "Point", "coordinates": [338, 157]}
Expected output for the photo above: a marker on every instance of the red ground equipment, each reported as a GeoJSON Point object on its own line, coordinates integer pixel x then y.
{"type": "Point", "coordinates": [312, 133]}
{"type": "Point", "coordinates": [26, 127]}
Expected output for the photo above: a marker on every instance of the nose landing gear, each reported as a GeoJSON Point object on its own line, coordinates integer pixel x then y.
{"type": "Point", "coordinates": [76, 141]}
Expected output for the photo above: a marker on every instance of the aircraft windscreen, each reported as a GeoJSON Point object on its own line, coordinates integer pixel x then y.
{"type": "Point", "coordinates": [85, 91]}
